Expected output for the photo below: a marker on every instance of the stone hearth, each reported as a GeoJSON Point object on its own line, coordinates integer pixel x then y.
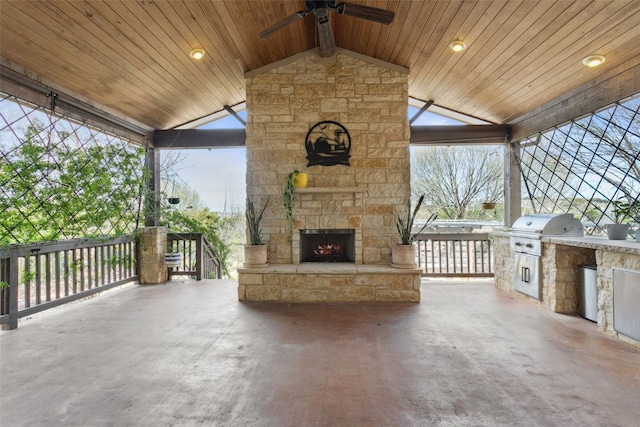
{"type": "Point", "coordinates": [312, 282]}
{"type": "Point", "coordinates": [370, 100]}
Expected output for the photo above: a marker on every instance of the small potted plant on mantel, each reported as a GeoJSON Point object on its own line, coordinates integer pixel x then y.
{"type": "Point", "coordinates": [403, 255]}
{"type": "Point", "coordinates": [622, 211]}
{"type": "Point", "coordinates": [255, 252]}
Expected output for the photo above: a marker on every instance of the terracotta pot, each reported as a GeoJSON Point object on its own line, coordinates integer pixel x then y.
{"type": "Point", "coordinates": [617, 231]}
{"type": "Point", "coordinates": [403, 256]}
{"type": "Point", "coordinates": [255, 256]}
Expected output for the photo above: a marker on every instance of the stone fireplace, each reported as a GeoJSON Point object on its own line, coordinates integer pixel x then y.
{"type": "Point", "coordinates": [369, 99]}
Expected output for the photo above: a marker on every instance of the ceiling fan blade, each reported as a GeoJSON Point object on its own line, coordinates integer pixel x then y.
{"type": "Point", "coordinates": [326, 42]}
{"type": "Point", "coordinates": [365, 12]}
{"type": "Point", "coordinates": [283, 23]}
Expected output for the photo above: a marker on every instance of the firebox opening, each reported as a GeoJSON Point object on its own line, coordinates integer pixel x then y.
{"type": "Point", "coordinates": [328, 245]}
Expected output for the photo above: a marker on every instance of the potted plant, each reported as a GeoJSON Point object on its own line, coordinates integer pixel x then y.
{"type": "Point", "coordinates": [403, 255]}
{"type": "Point", "coordinates": [295, 179]}
{"type": "Point", "coordinates": [255, 252]}
{"type": "Point", "coordinates": [171, 259]}
{"type": "Point", "coordinates": [622, 211]}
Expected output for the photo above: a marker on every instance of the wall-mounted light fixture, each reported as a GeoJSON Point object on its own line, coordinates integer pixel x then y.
{"type": "Point", "coordinates": [457, 46]}
{"type": "Point", "coordinates": [196, 53]}
{"type": "Point", "coordinates": [593, 60]}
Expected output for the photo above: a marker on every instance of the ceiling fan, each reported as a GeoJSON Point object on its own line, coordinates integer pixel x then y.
{"type": "Point", "coordinates": [326, 42]}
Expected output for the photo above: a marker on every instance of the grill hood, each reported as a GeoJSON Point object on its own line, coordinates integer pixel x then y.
{"type": "Point", "coordinates": [548, 225]}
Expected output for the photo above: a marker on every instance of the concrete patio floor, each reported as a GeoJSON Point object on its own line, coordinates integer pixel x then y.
{"type": "Point", "coordinates": [188, 353]}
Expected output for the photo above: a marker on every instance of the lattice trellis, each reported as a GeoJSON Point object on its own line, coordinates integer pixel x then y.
{"type": "Point", "coordinates": [60, 178]}
{"type": "Point", "coordinates": [585, 166]}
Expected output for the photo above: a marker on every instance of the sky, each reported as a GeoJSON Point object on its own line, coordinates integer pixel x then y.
{"type": "Point", "coordinates": [218, 174]}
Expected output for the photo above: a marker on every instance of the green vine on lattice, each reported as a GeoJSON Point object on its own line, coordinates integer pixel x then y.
{"type": "Point", "coordinates": [57, 184]}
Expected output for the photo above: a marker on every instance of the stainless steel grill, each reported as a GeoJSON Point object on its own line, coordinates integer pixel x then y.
{"type": "Point", "coordinates": [526, 235]}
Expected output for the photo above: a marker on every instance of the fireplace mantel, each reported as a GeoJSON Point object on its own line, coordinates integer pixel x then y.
{"type": "Point", "coordinates": [330, 190]}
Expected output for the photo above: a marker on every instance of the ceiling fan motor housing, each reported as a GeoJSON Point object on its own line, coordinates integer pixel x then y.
{"type": "Point", "coordinates": [319, 5]}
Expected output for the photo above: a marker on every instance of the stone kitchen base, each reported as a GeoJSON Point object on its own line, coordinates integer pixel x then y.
{"type": "Point", "coordinates": [329, 282]}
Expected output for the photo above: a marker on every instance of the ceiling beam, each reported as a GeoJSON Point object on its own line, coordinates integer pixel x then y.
{"type": "Point", "coordinates": [199, 138]}
{"type": "Point", "coordinates": [424, 108]}
{"type": "Point", "coordinates": [234, 114]}
{"type": "Point", "coordinates": [463, 134]}
{"type": "Point", "coordinates": [420, 135]}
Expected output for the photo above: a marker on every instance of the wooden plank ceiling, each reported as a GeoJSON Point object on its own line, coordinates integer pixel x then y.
{"type": "Point", "coordinates": [132, 56]}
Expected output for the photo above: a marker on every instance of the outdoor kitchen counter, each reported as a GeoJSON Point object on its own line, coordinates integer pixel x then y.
{"type": "Point", "coordinates": [560, 263]}
{"type": "Point", "coordinates": [599, 243]}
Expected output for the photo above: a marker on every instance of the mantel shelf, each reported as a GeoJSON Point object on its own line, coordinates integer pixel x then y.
{"type": "Point", "coordinates": [330, 190]}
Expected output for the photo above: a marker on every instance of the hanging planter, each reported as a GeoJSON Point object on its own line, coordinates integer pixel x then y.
{"type": "Point", "coordinates": [173, 200]}
{"type": "Point", "coordinates": [488, 206]}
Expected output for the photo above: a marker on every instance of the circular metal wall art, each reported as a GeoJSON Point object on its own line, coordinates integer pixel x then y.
{"type": "Point", "coordinates": [328, 143]}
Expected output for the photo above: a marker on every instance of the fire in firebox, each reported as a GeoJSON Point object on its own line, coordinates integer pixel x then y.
{"type": "Point", "coordinates": [328, 245]}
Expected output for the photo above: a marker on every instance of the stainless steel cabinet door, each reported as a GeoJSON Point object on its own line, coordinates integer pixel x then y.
{"type": "Point", "coordinates": [527, 275]}
{"type": "Point", "coordinates": [626, 302]}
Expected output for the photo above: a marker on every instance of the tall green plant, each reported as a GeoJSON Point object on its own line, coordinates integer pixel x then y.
{"type": "Point", "coordinates": [253, 222]}
{"type": "Point", "coordinates": [405, 226]}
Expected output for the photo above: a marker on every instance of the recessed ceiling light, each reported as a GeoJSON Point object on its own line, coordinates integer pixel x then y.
{"type": "Point", "coordinates": [457, 46]}
{"type": "Point", "coordinates": [593, 60]}
{"type": "Point", "coordinates": [196, 53]}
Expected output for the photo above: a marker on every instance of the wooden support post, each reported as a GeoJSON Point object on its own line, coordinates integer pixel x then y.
{"type": "Point", "coordinates": [512, 185]}
{"type": "Point", "coordinates": [152, 201]}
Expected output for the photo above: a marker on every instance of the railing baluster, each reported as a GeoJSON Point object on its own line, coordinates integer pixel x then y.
{"type": "Point", "coordinates": [47, 276]}
{"type": "Point", "coordinates": [102, 264]}
{"type": "Point", "coordinates": [81, 269]}
{"type": "Point", "coordinates": [468, 270]}
{"type": "Point", "coordinates": [74, 271]}
{"type": "Point", "coordinates": [27, 281]}
{"type": "Point", "coordinates": [56, 261]}
{"type": "Point", "coordinates": [38, 271]}
{"type": "Point", "coordinates": [89, 268]}
{"type": "Point", "coordinates": [66, 273]}
{"type": "Point", "coordinates": [96, 266]}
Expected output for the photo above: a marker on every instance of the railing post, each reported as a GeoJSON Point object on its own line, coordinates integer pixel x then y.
{"type": "Point", "coordinates": [199, 256]}
{"type": "Point", "coordinates": [152, 243]}
{"type": "Point", "coordinates": [13, 290]}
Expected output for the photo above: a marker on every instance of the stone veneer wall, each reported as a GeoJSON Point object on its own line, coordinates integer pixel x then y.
{"type": "Point", "coordinates": [503, 263]}
{"type": "Point", "coordinates": [370, 100]}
